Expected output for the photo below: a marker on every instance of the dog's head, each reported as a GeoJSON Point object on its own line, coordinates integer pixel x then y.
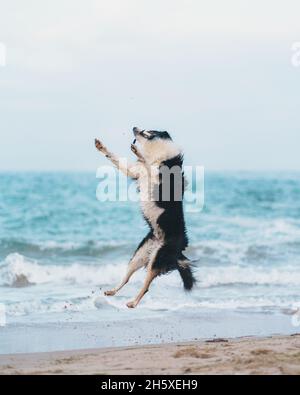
{"type": "Point", "coordinates": [155, 145]}
{"type": "Point", "coordinates": [148, 135]}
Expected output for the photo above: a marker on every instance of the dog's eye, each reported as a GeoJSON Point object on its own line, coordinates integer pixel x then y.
{"type": "Point", "coordinates": [151, 134]}
{"type": "Point", "coordinates": [148, 135]}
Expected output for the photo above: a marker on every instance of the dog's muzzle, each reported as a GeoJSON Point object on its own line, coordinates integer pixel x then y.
{"type": "Point", "coordinates": [136, 131]}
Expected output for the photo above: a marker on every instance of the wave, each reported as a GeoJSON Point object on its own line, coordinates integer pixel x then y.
{"type": "Point", "coordinates": [221, 240]}
{"type": "Point", "coordinates": [239, 275]}
{"type": "Point", "coordinates": [155, 304]}
{"type": "Point", "coordinates": [64, 249]}
{"type": "Point", "coordinates": [19, 271]}
{"type": "Point", "coordinates": [261, 241]}
{"type": "Point", "coordinates": [72, 288]}
{"type": "Point", "coordinates": [70, 305]}
{"type": "Point", "coordinates": [260, 303]}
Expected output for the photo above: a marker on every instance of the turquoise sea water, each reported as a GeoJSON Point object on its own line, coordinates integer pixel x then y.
{"type": "Point", "coordinates": [60, 248]}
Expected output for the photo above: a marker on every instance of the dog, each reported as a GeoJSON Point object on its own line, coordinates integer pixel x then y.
{"type": "Point", "coordinates": [161, 251]}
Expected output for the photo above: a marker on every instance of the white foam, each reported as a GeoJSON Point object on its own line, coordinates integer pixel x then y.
{"type": "Point", "coordinates": [40, 306]}
{"type": "Point", "coordinates": [54, 245]}
{"type": "Point", "coordinates": [69, 287]}
{"type": "Point", "coordinates": [16, 266]}
{"type": "Point", "coordinates": [230, 275]}
{"type": "Point", "coordinates": [69, 246]}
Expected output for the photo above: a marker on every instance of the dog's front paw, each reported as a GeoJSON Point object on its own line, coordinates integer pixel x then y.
{"type": "Point", "coordinates": [99, 145]}
{"type": "Point", "coordinates": [134, 149]}
{"type": "Point", "coordinates": [131, 305]}
{"type": "Point", "coordinates": [110, 293]}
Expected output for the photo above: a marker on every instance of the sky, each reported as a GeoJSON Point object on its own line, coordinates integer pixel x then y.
{"type": "Point", "coordinates": [216, 75]}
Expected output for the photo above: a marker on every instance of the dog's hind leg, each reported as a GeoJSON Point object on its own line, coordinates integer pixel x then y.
{"type": "Point", "coordinates": [134, 265]}
{"type": "Point", "coordinates": [149, 278]}
{"type": "Point", "coordinates": [139, 259]}
{"type": "Point", "coordinates": [151, 273]}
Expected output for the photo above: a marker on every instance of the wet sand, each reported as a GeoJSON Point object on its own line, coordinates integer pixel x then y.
{"type": "Point", "coordinates": [273, 355]}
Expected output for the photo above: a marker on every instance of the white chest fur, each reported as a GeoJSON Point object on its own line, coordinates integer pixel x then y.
{"type": "Point", "coordinates": [148, 183]}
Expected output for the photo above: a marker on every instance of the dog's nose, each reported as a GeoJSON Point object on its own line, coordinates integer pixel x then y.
{"type": "Point", "coordinates": [136, 130]}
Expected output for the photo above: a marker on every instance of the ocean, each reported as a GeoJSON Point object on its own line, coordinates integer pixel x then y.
{"type": "Point", "coordinates": [60, 248]}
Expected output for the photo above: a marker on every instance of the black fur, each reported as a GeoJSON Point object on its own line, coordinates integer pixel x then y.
{"type": "Point", "coordinates": [156, 134]}
{"type": "Point", "coordinates": [187, 277]}
{"type": "Point", "coordinates": [145, 239]}
{"type": "Point", "coordinates": [171, 222]}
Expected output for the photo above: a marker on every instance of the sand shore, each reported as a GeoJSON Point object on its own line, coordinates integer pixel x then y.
{"type": "Point", "coordinates": [273, 355]}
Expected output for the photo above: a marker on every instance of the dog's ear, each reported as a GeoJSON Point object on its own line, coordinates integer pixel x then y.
{"type": "Point", "coordinates": [165, 135]}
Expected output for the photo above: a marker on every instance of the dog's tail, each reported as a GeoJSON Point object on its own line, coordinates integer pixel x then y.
{"type": "Point", "coordinates": [186, 273]}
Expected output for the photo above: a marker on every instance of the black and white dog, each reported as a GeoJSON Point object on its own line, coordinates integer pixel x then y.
{"type": "Point", "coordinates": [161, 251]}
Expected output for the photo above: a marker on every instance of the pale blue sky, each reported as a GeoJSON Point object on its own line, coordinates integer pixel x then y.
{"type": "Point", "coordinates": [216, 74]}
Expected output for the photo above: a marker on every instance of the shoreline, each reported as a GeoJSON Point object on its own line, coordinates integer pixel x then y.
{"type": "Point", "coordinates": [67, 331]}
{"type": "Point", "coordinates": [248, 355]}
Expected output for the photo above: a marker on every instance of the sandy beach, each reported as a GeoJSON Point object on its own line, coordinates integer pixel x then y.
{"type": "Point", "coordinates": [274, 355]}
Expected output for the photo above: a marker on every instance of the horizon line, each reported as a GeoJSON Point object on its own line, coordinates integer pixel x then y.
{"type": "Point", "coordinates": [212, 170]}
